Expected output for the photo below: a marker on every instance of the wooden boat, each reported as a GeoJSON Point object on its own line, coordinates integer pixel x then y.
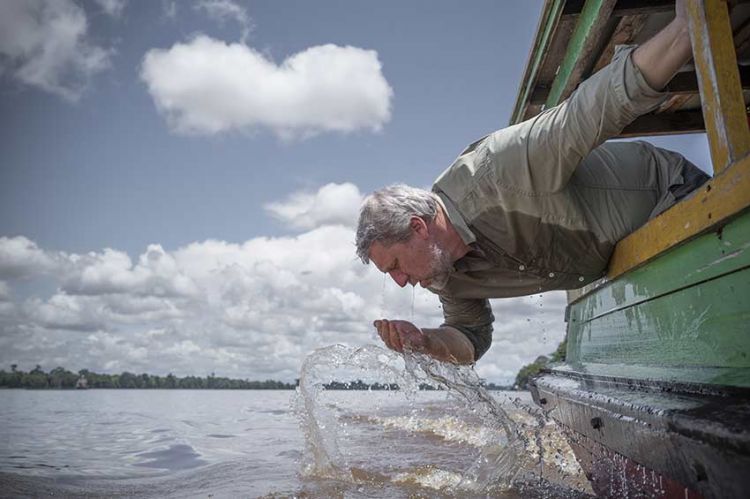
{"type": "Point", "coordinates": [654, 392]}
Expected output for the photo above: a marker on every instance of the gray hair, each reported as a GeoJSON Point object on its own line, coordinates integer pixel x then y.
{"type": "Point", "coordinates": [385, 215]}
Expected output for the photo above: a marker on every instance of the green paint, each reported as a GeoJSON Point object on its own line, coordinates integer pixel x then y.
{"type": "Point", "coordinates": [687, 310]}
{"type": "Point", "coordinates": [535, 61]}
{"type": "Point", "coordinates": [584, 28]}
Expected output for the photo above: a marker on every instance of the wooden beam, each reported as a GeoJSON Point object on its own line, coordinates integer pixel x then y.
{"type": "Point", "coordinates": [687, 82]}
{"type": "Point", "coordinates": [682, 84]}
{"type": "Point", "coordinates": [665, 124]}
{"type": "Point", "coordinates": [548, 22]}
{"type": "Point", "coordinates": [626, 31]}
{"type": "Point", "coordinates": [590, 27]}
{"type": "Point", "coordinates": [632, 7]}
{"type": "Point", "coordinates": [624, 7]}
{"type": "Point", "coordinates": [719, 81]}
{"type": "Point", "coordinates": [709, 208]}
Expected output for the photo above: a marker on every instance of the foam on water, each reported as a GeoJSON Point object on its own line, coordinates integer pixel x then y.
{"type": "Point", "coordinates": [448, 428]}
{"type": "Point", "coordinates": [502, 445]}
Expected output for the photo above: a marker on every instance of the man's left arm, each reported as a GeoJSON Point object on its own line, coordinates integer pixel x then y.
{"type": "Point", "coordinates": [540, 155]}
{"type": "Point", "coordinates": [665, 53]}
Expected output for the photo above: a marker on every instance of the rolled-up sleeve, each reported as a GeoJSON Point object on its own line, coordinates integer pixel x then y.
{"type": "Point", "coordinates": [540, 155]}
{"type": "Point", "coordinates": [473, 317]}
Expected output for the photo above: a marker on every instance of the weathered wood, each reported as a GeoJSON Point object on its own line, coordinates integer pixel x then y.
{"type": "Point", "coordinates": [665, 124]}
{"type": "Point", "coordinates": [719, 81]}
{"type": "Point", "coordinates": [631, 7]}
{"type": "Point", "coordinates": [544, 34]}
{"type": "Point", "coordinates": [685, 83]}
{"type": "Point", "coordinates": [674, 103]}
{"type": "Point", "coordinates": [587, 37]}
{"type": "Point", "coordinates": [624, 7]}
{"type": "Point", "coordinates": [626, 31]}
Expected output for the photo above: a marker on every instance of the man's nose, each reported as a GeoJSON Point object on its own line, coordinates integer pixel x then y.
{"type": "Point", "coordinates": [400, 278]}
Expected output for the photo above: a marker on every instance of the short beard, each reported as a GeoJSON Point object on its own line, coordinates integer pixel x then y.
{"type": "Point", "coordinates": [441, 266]}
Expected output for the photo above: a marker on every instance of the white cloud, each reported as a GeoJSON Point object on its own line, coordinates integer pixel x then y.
{"type": "Point", "coordinates": [254, 309]}
{"type": "Point", "coordinates": [331, 204]}
{"type": "Point", "coordinates": [224, 10]}
{"type": "Point", "coordinates": [44, 43]}
{"type": "Point", "coordinates": [21, 257]}
{"type": "Point", "coordinates": [112, 8]}
{"type": "Point", "coordinates": [206, 86]}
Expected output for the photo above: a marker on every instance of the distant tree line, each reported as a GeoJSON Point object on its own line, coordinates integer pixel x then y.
{"type": "Point", "coordinates": [62, 378]}
{"type": "Point", "coordinates": [530, 370]}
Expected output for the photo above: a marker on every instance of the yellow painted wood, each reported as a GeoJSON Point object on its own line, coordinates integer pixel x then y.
{"type": "Point", "coordinates": [719, 81]}
{"type": "Point", "coordinates": [722, 197]}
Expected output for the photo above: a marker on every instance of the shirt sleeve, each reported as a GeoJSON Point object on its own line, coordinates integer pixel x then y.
{"type": "Point", "coordinates": [540, 155]}
{"type": "Point", "coordinates": [473, 317]}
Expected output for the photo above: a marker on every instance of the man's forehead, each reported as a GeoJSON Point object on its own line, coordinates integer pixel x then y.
{"type": "Point", "coordinates": [381, 256]}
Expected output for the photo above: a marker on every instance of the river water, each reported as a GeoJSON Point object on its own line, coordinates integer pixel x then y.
{"type": "Point", "coordinates": [309, 443]}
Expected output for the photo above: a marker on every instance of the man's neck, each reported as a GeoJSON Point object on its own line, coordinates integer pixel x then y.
{"type": "Point", "coordinates": [447, 236]}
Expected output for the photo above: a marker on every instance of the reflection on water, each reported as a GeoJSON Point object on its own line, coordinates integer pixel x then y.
{"type": "Point", "coordinates": [193, 443]}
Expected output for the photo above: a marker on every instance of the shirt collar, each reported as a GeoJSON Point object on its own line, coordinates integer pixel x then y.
{"type": "Point", "coordinates": [455, 218]}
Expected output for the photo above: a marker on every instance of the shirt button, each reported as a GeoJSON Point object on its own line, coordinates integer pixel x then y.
{"type": "Point", "coordinates": [521, 267]}
{"type": "Point", "coordinates": [581, 279]}
{"type": "Point", "coordinates": [552, 274]}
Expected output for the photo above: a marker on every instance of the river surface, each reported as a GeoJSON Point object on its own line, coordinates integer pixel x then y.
{"type": "Point", "coordinates": [206, 443]}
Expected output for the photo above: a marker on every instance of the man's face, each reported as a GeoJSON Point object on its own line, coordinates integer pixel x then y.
{"type": "Point", "coordinates": [417, 260]}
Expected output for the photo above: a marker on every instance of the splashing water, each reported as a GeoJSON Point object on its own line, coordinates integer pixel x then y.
{"type": "Point", "coordinates": [501, 456]}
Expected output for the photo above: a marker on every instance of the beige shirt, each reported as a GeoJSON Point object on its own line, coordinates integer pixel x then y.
{"type": "Point", "coordinates": [542, 203]}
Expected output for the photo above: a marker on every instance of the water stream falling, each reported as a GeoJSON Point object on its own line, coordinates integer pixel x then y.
{"type": "Point", "coordinates": [507, 445]}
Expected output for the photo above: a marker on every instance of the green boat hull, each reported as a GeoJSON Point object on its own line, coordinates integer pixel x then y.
{"type": "Point", "coordinates": [655, 390]}
{"type": "Point", "coordinates": [683, 317]}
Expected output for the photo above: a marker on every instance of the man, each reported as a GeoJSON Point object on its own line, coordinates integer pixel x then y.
{"type": "Point", "coordinates": [533, 207]}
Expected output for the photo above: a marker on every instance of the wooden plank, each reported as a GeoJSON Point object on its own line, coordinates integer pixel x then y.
{"type": "Point", "coordinates": [626, 31]}
{"type": "Point", "coordinates": [719, 81]}
{"type": "Point", "coordinates": [631, 7]}
{"type": "Point", "coordinates": [589, 31]}
{"type": "Point", "coordinates": [665, 124]}
{"type": "Point", "coordinates": [711, 206]}
{"type": "Point", "coordinates": [624, 7]}
{"type": "Point", "coordinates": [547, 25]}
{"type": "Point", "coordinates": [708, 257]}
{"type": "Point", "coordinates": [685, 83]}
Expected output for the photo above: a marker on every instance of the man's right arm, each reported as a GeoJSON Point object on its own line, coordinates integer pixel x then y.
{"type": "Point", "coordinates": [445, 343]}
{"type": "Point", "coordinates": [462, 339]}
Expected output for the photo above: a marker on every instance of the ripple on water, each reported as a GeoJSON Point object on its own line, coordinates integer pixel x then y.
{"type": "Point", "coordinates": [175, 458]}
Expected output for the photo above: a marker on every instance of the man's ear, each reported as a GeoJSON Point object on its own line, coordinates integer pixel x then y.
{"type": "Point", "coordinates": [419, 227]}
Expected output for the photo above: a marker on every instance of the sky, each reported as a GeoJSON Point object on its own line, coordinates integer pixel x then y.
{"type": "Point", "coordinates": [180, 181]}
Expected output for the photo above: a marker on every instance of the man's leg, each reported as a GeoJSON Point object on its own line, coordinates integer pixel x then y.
{"type": "Point", "coordinates": [694, 178]}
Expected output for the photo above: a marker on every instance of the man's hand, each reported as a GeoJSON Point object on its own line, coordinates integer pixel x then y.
{"type": "Point", "coordinates": [398, 335]}
{"type": "Point", "coordinates": [445, 344]}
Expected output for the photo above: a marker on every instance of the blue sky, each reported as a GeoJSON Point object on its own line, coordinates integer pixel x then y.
{"type": "Point", "coordinates": [179, 180]}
